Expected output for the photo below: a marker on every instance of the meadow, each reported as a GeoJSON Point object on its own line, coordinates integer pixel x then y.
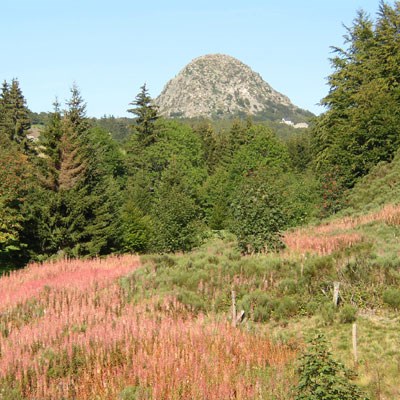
{"type": "Point", "coordinates": [160, 326]}
{"type": "Point", "coordinates": [69, 331]}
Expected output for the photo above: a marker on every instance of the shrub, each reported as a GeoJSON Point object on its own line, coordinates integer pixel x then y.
{"type": "Point", "coordinates": [191, 300]}
{"type": "Point", "coordinates": [347, 314]}
{"type": "Point", "coordinates": [258, 305]}
{"type": "Point", "coordinates": [287, 307]}
{"type": "Point", "coordinates": [134, 393]}
{"type": "Point", "coordinates": [321, 377]}
{"type": "Point", "coordinates": [288, 286]}
{"type": "Point", "coordinates": [311, 307]}
{"type": "Point", "coordinates": [391, 297]}
{"type": "Point", "coordinates": [258, 215]}
{"type": "Point", "coordinates": [327, 314]}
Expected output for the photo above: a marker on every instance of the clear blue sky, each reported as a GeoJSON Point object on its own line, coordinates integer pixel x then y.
{"type": "Point", "coordinates": [110, 48]}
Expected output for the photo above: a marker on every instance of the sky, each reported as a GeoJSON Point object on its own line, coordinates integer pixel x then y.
{"type": "Point", "coordinates": [110, 48]}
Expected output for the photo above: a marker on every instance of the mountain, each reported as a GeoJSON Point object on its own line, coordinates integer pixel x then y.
{"type": "Point", "coordinates": [220, 86]}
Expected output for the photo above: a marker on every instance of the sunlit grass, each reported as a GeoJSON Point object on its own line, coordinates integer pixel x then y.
{"type": "Point", "coordinates": [68, 330]}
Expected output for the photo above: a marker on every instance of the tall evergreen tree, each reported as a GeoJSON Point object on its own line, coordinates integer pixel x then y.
{"type": "Point", "coordinates": [14, 115]}
{"type": "Point", "coordinates": [15, 184]}
{"type": "Point", "coordinates": [361, 125]}
{"type": "Point", "coordinates": [80, 197]}
{"type": "Point", "coordinates": [146, 115]}
{"type": "Point", "coordinates": [49, 142]}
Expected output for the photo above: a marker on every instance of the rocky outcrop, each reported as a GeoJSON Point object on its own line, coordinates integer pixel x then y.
{"type": "Point", "coordinates": [220, 86]}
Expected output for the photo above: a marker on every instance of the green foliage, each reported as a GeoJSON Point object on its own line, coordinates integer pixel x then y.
{"type": "Point", "coordinates": [361, 125]}
{"type": "Point", "coordinates": [178, 223]}
{"type": "Point", "coordinates": [163, 186]}
{"type": "Point", "coordinates": [300, 150]}
{"type": "Point", "coordinates": [326, 314]}
{"type": "Point", "coordinates": [348, 314]}
{"type": "Point", "coordinates": [146, 115]}
{"type": "Point", "coordinates": [119, 128]}
{"type": "Point", "coordinates": [381, 186]}
{"type": "Point", "coordinates": [15, 185]}
{"type": "Point", "coordinates": [323, 378]}
{"type": "Point", "coordinates": [258, 305]}
{"type": "Point", "coordinates": [287, 308]}
{"type": "Point", "coordinates": [391, 297]}
{"type": "Point", "coordinates": [333, 190]}
{"type": "Point", "coordinates": [134, 393]}
{"type": "Point", "coordinates": [136, 228]}
{"type": "Point", "coordinates": [75, 209]}
{"type": "Point", "coordinates": [14, 115]}
{"type": "Point", "coordinates": [268, 201]}
{"type": "Point", "coordinates": [258, 214]}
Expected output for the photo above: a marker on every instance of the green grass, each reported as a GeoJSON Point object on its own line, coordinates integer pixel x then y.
{"type": "Point", "coordinates": [381, 186]}
{"type": "Point", "coordinates": [290, 296]}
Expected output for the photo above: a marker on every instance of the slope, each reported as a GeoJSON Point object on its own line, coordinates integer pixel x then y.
{"type": "Point", "coordinates": [219, 86]}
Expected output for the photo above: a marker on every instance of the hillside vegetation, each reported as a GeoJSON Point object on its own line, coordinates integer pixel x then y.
{"type": "Point", "coordinates": [70, 330]}
{"type": "Point", "coordinates": [257, 249]}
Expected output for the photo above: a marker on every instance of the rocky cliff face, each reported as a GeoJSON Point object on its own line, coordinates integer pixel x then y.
{"type": "Point", "coordinates": [220, 86]}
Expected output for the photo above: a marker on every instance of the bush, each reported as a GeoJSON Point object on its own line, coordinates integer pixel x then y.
{"type": "Point", "coordinates": [311, 307]}
{"type": "Point", "coordinates": [134, 393]}
{"type": "Point", "coordinates": [258, 305]}
{"type": "Point", "coordinates": [288, 286]}
{"type": "Point", "coordinates": [287, 307]}
{"type": "Point", "coordinates": [391, 297]}
{"type": "Point", "coordinates": [327, 314]}
{"type": "Point", "coordinates": [191, 300]}
{"type": "Point", "coordinates": [321, 377]}
{"type": "Point", "coordinates": [257, 212]}
{"type": "Point", "coordinates": [347, 314]}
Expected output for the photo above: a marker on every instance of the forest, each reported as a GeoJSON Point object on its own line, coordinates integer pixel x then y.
{"type": "Point", "coordinates": [274, 215]}
{"type": "Point", "coordinates": [77, 192]}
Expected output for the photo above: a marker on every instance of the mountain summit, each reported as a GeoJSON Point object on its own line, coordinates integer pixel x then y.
{"type": "Point", "coordinates": [220, 86]}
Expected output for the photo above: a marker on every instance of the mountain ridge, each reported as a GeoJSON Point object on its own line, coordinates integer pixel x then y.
{"type": "Point", "coordinates": [220, 86]}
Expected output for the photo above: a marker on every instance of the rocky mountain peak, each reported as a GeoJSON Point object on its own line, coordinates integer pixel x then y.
{"type": "Point", "coordinates": [220, 86]}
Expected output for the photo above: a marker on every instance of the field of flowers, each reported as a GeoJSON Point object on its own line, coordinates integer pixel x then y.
{"type": "Point", "coordinates": [69, 331]}
{"type": "Point", "coordinates": [338, 234]}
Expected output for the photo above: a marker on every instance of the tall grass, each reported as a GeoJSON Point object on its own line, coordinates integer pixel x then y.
{"type": "Point", "coordinates": [67, 331]}
{"type": "Point", "coordinates": [338, 234]}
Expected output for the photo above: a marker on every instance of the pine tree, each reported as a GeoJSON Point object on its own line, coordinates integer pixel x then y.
{"type": "Point", "coordinates": [50, 140]}
{"type": "Point", "coordinates": [14, 115]}
{"type": "Point", "coordinates": [80, 197]}
{"type": "Point", "coordinates": [73, 157]}
{"type": "Point", "coordinates": [15, 184]}
{"type": "Point", "coordinates": [361, 125]}
{"type": "Point", "coordinates": [146, 115]}
{"type": "Point", "coordinates": [60, 215]}
{"type": "Point", "coordinates": [323, 378]}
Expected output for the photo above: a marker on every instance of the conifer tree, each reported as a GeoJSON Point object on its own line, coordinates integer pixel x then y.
{"type": "Point", "coordinates": [80, 195]}
{"type": "Point", "coordinates": [14, 115]}
{"type": "Point", "coordinates": [15, 184]}
{"type": "Point", "coordinates": [50, 140]}
{"type": "Point", "coordinates": [322, 377]}
{"type": "Point", "coordinates": [361, 125]}
{"type": "Point", "coordinates": [72, 142]}
{"type": "Point", "coordinates": [146, 115]}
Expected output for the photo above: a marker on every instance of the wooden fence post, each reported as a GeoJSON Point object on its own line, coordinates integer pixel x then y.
{"type": "Point", "coordinates": [336, 286]}
{"type": "Point", "coordinates": [354, 334]}
{"type": "Point", "coordinates": [233, 308]}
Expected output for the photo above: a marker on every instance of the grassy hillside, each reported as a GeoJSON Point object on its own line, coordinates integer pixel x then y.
{"type": "Point", "coordinates": [381, 186]}
{"type": "Point", "coordinates": [289, 295]}
{"type": "Point", "coordinates": [160, 327]}
{"type": "Point", "coordinates": [68, 330]}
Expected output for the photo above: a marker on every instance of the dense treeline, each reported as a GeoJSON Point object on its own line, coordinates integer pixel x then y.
{"type": "Point", "coordinates": [77, 192]}
{"type": "Point", "coordinates": [164, 185]}
{"type": "Point", "coordinates": [361, 125]}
